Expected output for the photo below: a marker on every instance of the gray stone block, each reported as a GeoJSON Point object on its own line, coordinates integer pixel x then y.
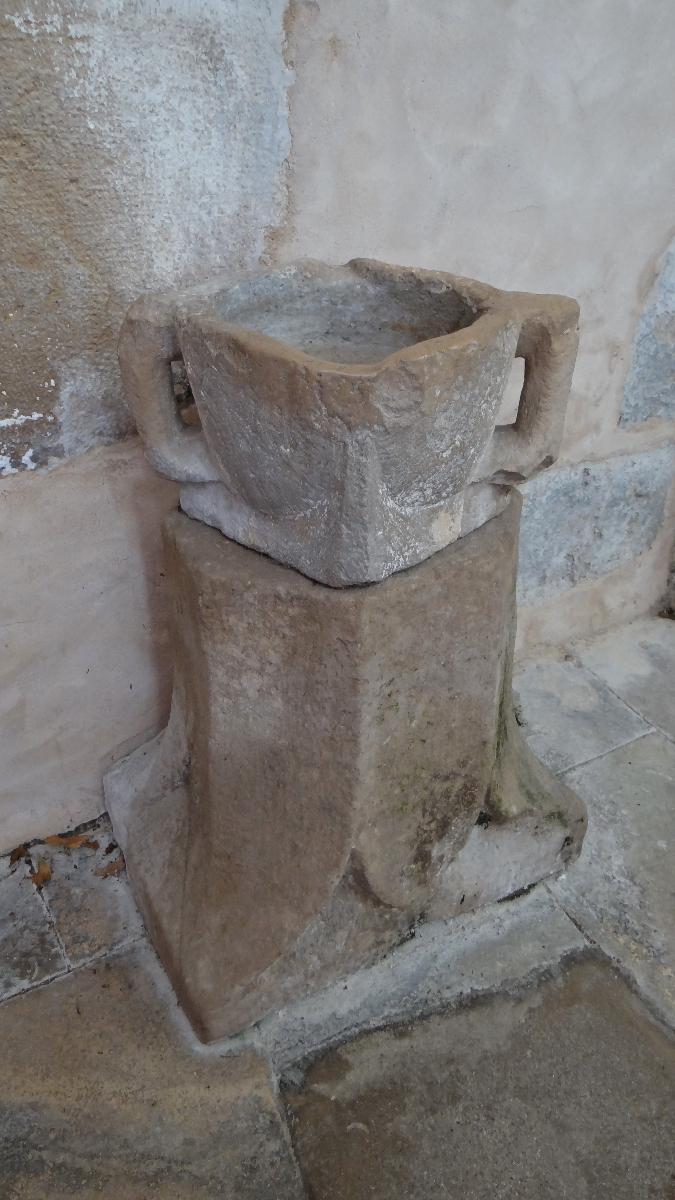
{"type": "Point", "coordinates": [650, 386]}
{"type": "Point", "coordinates": [92, 913]}
{"type": "Point", "coordinates": [585, 520]}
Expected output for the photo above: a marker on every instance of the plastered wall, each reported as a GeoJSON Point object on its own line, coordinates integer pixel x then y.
{"type": "Point", "coordinates": [146, 142]}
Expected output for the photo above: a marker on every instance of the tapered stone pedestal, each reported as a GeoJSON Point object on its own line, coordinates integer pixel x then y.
{"type": "Point", "coordinates": [339, 764]}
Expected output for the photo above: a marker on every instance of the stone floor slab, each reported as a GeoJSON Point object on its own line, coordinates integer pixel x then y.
{"type": "Point", "coordinates": [93, 913]}
{"type": "Point", "coordinates": [571, 716]}
{"type": "Point", "coordinates": [637, 662]}
{"type": "Point", "coordinates": [567, 1093]}
{"type": "Point", "coordinates": [447, 962]}
{"type": "Point", "coordinates": [29, 948]}
{"type": "Point", "coordinates": [102, 1096]}
{"type": "Point", "coordinates": [621, 891]}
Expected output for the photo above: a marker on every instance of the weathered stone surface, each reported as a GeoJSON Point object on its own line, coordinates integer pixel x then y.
{"type": "Point", "coordinates": [585, 520]}
{"type": "Point", "coordinates": [566, 1092]}
{"type": "Point", "coordinates": [650, 386]}
{"type": "Point", "coordinates": [348, 413]}
{"type": "Point", "coordinates": [621, 890]}
{"type": "Point", "coordinates": [638, 663]}
{"type": "Point", "coordinates": [102, 1096]}
{"type": "Point", "coordinates": [328, 757]}
{"type": "Point", "coordinates": [29, 949]}
{"type": "Point", "coordinates": [570, 716]}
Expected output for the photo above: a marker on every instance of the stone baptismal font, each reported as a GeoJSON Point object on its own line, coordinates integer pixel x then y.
{"type": "Point", "coordinates": [342, 760]}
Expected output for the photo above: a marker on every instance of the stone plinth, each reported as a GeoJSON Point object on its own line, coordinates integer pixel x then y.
{"type": "Point", "coordinates": [339, 764]}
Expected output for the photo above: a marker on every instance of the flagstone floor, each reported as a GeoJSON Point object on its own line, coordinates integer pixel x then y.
{"type": "Point", "coordinates": [523, 1052]}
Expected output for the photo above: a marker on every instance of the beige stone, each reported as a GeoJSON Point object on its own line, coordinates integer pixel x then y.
{"type": "Point", "coordinates": [84, 664]}
{"type": "Point", "coordinates": [348, 413]}
{"type": "Point", "coordinates": [339, 763]}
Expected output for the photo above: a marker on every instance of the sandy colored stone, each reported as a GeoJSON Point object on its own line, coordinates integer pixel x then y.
{"type": "Point", "coordinates": [565, 1092]}
{"type": "Point", "coordinates": [102, 1095]}
{"type": "Point", "coordinates": [348, 413]}
{"type": "Point", "coordinates": [339, 764]}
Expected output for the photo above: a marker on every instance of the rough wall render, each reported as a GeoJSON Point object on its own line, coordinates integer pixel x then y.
{"type": "Point", "coordinates": [142, 141]}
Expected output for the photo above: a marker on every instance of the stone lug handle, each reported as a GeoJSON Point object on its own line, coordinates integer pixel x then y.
{"type": "Point", "coordinates": [147, 347]}
{"type": "Point", "coordinates": [548, 341]}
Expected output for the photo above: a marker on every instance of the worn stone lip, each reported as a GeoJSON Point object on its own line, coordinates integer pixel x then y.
{"type": "Point", "coordinates": [195, 308]}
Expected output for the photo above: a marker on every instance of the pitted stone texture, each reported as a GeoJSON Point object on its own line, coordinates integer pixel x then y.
{"type": "Point", "coordinates": [585, 520]}
{"type": "Point", "coordinates": [650, 386]}
{"type": "Point", "coordinates": [348, 413]}
{"type": "Point", "coordinates": [328, 755]}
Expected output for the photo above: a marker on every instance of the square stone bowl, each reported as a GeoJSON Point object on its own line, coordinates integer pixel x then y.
{"type": "Point", "coordinates": [347, 414]}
